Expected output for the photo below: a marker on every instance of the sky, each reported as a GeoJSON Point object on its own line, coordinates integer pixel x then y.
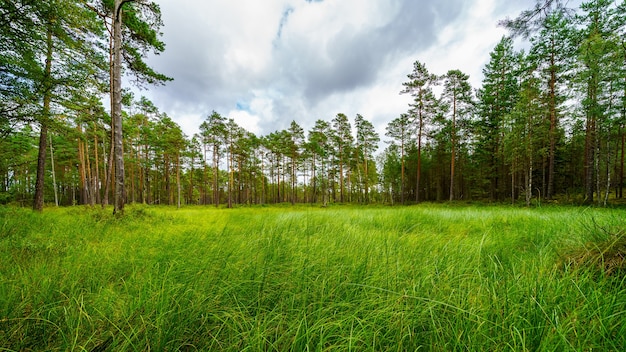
{"type": "Point", "coordinates": [267, 63]}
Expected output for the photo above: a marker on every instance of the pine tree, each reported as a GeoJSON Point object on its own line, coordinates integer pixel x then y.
{"type": "Point", "coordinates": [342, 141]}
{"type": "Point", "coordinates": [233, 136]}
{"type": "Point", "coordinates": [423, 108]}
{"type": "Point", "coordinates": [400, 131]}
{"type": "Point", "coordinates": [457, 96]}
{"type": "Point", "coordinates": [525, 121]}
{"type": "Point", "coordinates": [552, 49]}
{"type": "Point", "coordinates": [366, 143]}
{"type": "Point", "coordinates": [213, 132]}
{"type": "Point", "coordinates": [593, 54]}
{"type": "Point", "coordinates": [496, 99]}
{"type": "Point", "coordinates": [296, 134]}
{"type": "Point", "coordinates": [134, 30]}
{"type": "Point", "coordinates": [319, 145]}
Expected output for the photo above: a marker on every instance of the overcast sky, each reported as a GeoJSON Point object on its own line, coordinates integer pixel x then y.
{"type": "Point", "coordinates": [266, 63]}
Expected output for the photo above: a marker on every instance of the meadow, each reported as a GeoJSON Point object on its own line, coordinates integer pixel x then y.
{"type": "Point", "coordinates": [344, 278]}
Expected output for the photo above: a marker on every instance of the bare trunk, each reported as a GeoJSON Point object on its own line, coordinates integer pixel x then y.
{"type": "Point", "coordinates": [111, 168]}
{"type": "Point", "coordinates": [190, 199]}
{"type": "Point", "coordinates": [168, 187]}
{"type": "Point", "coordinates": [262, 180]}
{"type": "Point", "coordinates": [529, 183]}
{"type": "Point", "coordinates": [90, 180]}
{"type": "Point", "coordinates": [216, 200]}
{"type": "Point", "coordinates": [553, 126]}
{"type": "Point", "coordinates": [54, 179]}
{"type": "Point", "coordinates": [293, 179]}
{"type": "Point", "coordinates": [367, 184]}
{"type": "Point", "coordinates": [84, 188]}
{"type": "Point", "coordinates": [146, 177]}
{"type": "Point", "coordinates": [109, 175]}
{"type": "Point", "coordinates": [590, 148]}
{"type": "Point", "coordinates": [529, 173]}
{"type": "Point", "coordinates": [621, 168]}
{"type": "Point", "coordinates": [96, 180]}
{"type": "Point", "coordinates": [608, 174]}
{"type": "Point", "coordinates": [120, 191]}
{"type": "Point", "coordinates": [178, 178]}
{"type": "Point", "coordinates": [402, 174]}
{"type": "Point", "coordinates": [41, 166]}
{"type": "Point", "coordinates": [205, 178]}
{"type": "Point", "coordinates": [43, 133]}
{"type": "Point", "coordinates": [513, 171]}
{"type": "Point", "coordinates": [313, 180]}
{"type": "Point", "coordinates": [341, 180]}
{"type": "Point", "coordinates": [230, 177]}
{"type": "Point", "coordinates": [621, 172]}
{"type": "Point", "coordinates": [453, 156]}
{"type": "Point", "coordinates": [419, 157]}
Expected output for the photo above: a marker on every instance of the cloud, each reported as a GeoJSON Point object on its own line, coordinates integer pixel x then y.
{"type": "Point", "coordinates": [340, 46]}
{"type": "Point", "coordinates": [266, 63]}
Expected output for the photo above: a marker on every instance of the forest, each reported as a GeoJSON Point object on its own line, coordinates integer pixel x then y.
{"type": "Point", "coordinates": [547, 124]}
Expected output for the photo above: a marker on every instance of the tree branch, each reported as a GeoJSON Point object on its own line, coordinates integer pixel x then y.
{"type": "Point", "coordinates": [117, 11]}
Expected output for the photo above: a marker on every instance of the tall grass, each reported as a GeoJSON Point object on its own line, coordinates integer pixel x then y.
{"type": "Point", "coordinates": [428, 277]}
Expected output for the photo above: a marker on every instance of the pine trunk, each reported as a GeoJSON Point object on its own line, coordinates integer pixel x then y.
{"type": "Point", "coordinates": [553, 126]}
{"type": "Point", "coordinates": [453, 156]}
{"type": "Point", "coordinates": [43, 133]}
{"type": "Point", "coordinates": [120, 191]}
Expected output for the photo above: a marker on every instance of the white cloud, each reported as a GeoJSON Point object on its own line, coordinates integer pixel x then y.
{"type": "Point", "coordinates": [246, 120]}
{"type": "Point", "coordinates": [467, 44]}
{"type": "Point", "coordinates": [266, 63]}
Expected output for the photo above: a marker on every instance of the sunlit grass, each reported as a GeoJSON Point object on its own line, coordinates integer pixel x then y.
{"type": "Point", "coordinates": [429, 277]}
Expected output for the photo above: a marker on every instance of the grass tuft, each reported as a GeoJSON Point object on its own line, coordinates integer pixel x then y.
{"type": "Point", "coordinates": [606, 254]}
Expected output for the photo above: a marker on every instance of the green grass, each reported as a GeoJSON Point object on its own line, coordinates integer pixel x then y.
{"type": "Point", "coordinates": [428, 277]}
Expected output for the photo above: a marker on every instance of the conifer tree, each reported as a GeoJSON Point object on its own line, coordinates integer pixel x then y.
{"type": "Point", "coordinates": [213, 132]}
{"type": "Point", "coordinates": [366, 143]}
{"type": "Point", "coordinates": [593, 54]}
{"type": "Point", "coordinates": [496, 99]}
{"type": "Point", "coordinates": [400, 131]}
{"type": "Point", "coordinates": [296, 139]}
{"type": "Point", "coordinates": [552, 49]}
{"type": "Point", "coordinates": [423, 108]}
{"type": "Point", "coordinates": [525, 121]}
{"type": "Point", "coordinates": [134, 28]}
{"type": "Point", "coordinates": [342, 140]}
{"type": "Point", "coordinates": [319, 145]}
{"type": "Point", "coordinates": [457, 96]}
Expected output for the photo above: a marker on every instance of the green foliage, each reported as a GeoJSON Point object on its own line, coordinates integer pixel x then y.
{"type": "Point", "coordinates": [429, 277]}
{"type": "Point", "coordinates": [496, 99]}
{"type": "Point", "coordinates": [529, 21]}
{"type": "Point", "coordinates": [141, 31]}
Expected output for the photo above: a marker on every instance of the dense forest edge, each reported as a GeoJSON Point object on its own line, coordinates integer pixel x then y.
{"type": "Point", "coordinates": [548, 124]}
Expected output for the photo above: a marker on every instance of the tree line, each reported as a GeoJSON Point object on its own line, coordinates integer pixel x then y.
{"type": "Point", "coordinates": [547, 123]}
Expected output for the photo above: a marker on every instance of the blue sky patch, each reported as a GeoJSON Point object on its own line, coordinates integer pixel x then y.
{"type": "Point", "coordinates": [243, 106]}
